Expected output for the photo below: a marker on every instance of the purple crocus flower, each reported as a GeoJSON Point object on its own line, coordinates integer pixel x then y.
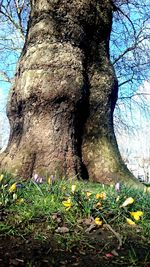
{"type": "Point", "coordinates": [117, 187]}
{"type": "Point", "coordinates": [40, 180]}
{"type": "Point", "coordinates": [37, 179]}
{"type": "Point", "coordinates": [19, 185]}
{"type": "Point", "coordinates": [53, 178]}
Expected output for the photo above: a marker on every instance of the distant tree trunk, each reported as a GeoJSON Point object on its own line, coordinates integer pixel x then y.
{"type": "Point", "coordinates": [64, 94]}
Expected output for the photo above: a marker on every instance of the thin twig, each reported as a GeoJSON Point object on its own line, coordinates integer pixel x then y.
{"type": "Point", "coordinates": [115, 234]}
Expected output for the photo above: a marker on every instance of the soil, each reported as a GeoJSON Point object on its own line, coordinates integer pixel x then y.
{"type": "Point", "coordinates": [103, 251]}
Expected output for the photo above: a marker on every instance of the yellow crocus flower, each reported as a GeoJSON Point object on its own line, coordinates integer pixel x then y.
{"type": "Point", "coordinates": [98, 221]}
{"type": "Point", "coordinates": [136, 214]}
{"type": "Point", "coordinates": [20, 201]}
{"type": "Point", "coordinates": [67, 203]}
{"type": "Point", "coordinates": [101, 195]}
{"type": "Point", "coordinates": [88, 194]}
{"type": "Point", "coordinates": [12, 188]}
{"type": "Point", "coordinates": [127, 202]}
{"type": "Point", "coordinates": [1, 177]}
{"type": "Point", "coordinates": [98, 205]}
{"type": "Point", "coordinates": [63, 188]}
{"type": "Point", "coordinates": [130, 222]}
{"type": "Point", "coordinates": [73, 188]}
{"type": "Point", "coordinates": [117, 199]}
{"type": "Point", "coordinates": [49, 181]}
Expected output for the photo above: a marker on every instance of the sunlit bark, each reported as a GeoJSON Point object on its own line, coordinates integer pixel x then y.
{"type": "Point", "coordinates": [61, 105]}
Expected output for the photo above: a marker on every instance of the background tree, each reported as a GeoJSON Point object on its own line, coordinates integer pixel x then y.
{"type": "Point", "coordinates": [13, 22]}
{"type": "Point", "coordinates": [100, 152]}
{"type": "Point", "coordinates": [130, 50]}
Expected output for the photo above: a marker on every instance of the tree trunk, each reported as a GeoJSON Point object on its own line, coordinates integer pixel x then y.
{"type": "Point", "coordinates": [64, 94]}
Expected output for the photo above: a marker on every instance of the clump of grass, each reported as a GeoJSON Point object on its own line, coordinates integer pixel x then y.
{"type": "Point", "coordinates": [43, 206]}
{"type": "Point", "coordinates": [9, 191]}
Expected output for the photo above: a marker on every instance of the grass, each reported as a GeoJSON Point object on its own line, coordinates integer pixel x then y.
{"type": "Point", "coordinates": [72, 210]}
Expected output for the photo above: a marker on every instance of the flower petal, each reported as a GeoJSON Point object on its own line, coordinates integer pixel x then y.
{"type": "Point", "coordinates": [49, 181]}
{"type": "Point", "coordinates": [136, 214]}
{"type": "Point", "coordinates": [130, 222]}
{"type": "Point", "coordinates": [127, 202]}
{"type": "Point", "coordinates": [117, 187]}
{"type": "Point", "coordinates": [88, 194]}
{"type": "Point", "coordinates": [12, 188]}
{"type": "Point", "coordinates": [98, 221]}
{"type": "Point", "coordinates": [98, 205]}
{"type": "Point", "coordinates": [109, 255]}
{"type": "Point", "coordinates": [67, 203]}
{"type": "Point", "coordinates": [101, 195]}
{"type": "Point", "coordinates": [73, 188]}
{"type": "Point", "coordinates": [20, 201]}
{"type": "Point", "coordinates": [1, 177]}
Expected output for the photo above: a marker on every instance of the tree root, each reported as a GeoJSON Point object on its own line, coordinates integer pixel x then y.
{"type": "Point", "coordinates": [115, 234]}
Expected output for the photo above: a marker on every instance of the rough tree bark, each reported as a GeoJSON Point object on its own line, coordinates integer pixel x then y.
{"type": "Point", "coordinates": [61, 105]}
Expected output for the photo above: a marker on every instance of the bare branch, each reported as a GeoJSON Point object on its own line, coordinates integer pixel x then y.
{"type": "Point", "coordinates": [5, 77]}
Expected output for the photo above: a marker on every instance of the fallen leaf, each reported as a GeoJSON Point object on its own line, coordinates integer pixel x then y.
{"type": "Point", "coordinates": [62, 230]}
{"type": "Point", "coordinates": [57, 217]}
{"type": "Point", "coordinates": [88, 221]}
{"type": "Point", "coordinates": [114, 252]}
{"type": "Point", "coordinates": [91, 228]}
{"type": "Point", "coordinates": [80, 221]}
